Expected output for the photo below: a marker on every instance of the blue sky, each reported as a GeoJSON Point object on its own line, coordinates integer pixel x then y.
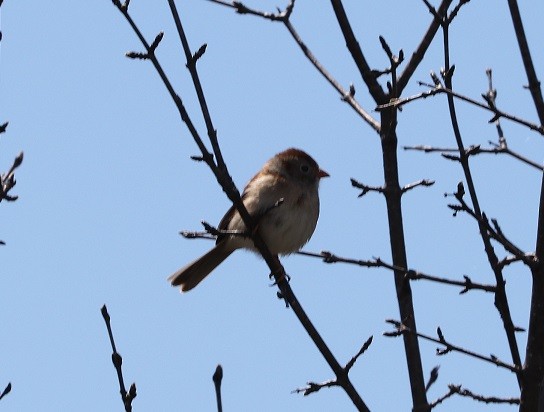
{"type": "Point", "coordinates": [107, 184]}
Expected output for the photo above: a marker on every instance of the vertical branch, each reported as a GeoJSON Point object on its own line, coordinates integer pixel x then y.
{"type": "Point", "coordinates": [217, 378]}
{"type": "Point", "coordinates": [393, 194]}
{"type": "Point", "coordinates": [126, 397]}
{"type": "Point", "coordinates": [532, 397]}
{"type": "Point", "coordinates": [534, 83]}
{"type": "Point", "coordinates": [501, 299]}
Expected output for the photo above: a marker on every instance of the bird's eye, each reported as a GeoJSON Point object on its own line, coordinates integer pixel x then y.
{"type": "Point", "coordinates": [304, 168]}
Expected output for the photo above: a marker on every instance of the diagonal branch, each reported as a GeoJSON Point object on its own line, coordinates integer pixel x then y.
{"type": "Point", "coordinates": [315, 387]}
{"type": "Point", "coordinates": [501, 299]}
{"type": "Point", "coordinates": [492, 230]}
{"type": "Point", "coordinates": [224, 179]}
{"type": "Point", "coordinates": [401, 329]}
{"type": "Point", "coordinates": [354, 48]}
{"type": "Point", "coordinates": [347, 96]}
{"type": "Point", "coordinates": [419, 53]}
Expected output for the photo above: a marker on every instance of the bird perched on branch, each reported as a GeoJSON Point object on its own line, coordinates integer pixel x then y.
{"type": "Point", "coordinates": [283, 200]}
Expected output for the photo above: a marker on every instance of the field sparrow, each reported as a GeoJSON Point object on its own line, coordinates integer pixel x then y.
{"type": "Point", "coordinates": [291, 175]}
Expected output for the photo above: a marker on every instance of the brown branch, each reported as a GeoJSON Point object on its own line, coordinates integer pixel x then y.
{"type": "Point", "coordinates": [496, 148]}
{"type": "Point", "coordinates": [366, 188]}
{"type": "Point", "coordinates": [315, 387]}
{"type": "Point", "coordinates": [433, 377]}
{"type": "Point", "coordinates": [359, 59]}
{"type": "Point", "coordinates": [424, 182]}
{"type": "Point", "coordinates": [347, 96]}
{"type": "Point", "coordinates": [534, 83]}
{"type": "Point", "coordinates": [410, 274]}
{"type": "Point", "coordinates": [445, 90]}
{"type": "Point", "coordinates": [225, 181]}
{"type": "Point", "coordinates": [217, 378]}
{"type": "Point", "coordinates": [501, 299]}
{"type": "Point", "coordinates": [401, 329]}
{"type": "Point", "coordinates": [126, 397]}
{"type": "Point", "coordinates": [6, 390]}
{"type": "Point", "coordinates": [7, 180]}
{"type": "Point", "coordinates": [459, 390]}
{"type": "Point", "coordinates": [419, 53]}
{"type": "Point", "coordinates": [492, 230]}
{"type": "Point", "coordinates": [531, 394]}
{"type": "Point", "coordinates": [467, 284]}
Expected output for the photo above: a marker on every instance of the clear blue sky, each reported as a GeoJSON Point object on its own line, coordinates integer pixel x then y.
{"type": "Point", "coordinates": [107, 183]}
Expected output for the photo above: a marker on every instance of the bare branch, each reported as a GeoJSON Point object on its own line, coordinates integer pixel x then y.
{"type": "Point", "coordinates": [126, 397]}
{"type": "Point", "coordinates": [6, 390]}
{"type": "Point", "coordinates": [445, 90]}
{"type": "Point", "coordinates": [347, 96]}
{"type": "Point", "coordinates": [410, 274]}
{"type": "Point", "coordinates": [217, 378]}
{"type": "Point", "coordinates": [501, 299]}
{"type": "Point", "coordinates": [7, 180]}
{"type": "Point", "coordinates": [493, 231]}
{"type": "Point", "coordinates": [357, 54]}
{"type": "Point", "coordinates": [497, 148]}
{"type": "Point", "coordinates": [457, 389]}
{"type": "Point", "coordinates": [423, 46]}
{"type": "Point", "coordinates": [363, 349]}
{"type": "Point", "coordinates": [365, 188]}
{"type": "Point", "coordinates": [424, 182]}
{"type": "Point", "coordinates": [432, 378]}
{"type": "Point", "coordinates": [448, 346]}
{"type": "Point", "coordinates": [224, 179]}
{"type": "Point", "coordinates": [315, 387]}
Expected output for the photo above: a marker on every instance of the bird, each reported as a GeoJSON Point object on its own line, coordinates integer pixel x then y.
{"type": "Point", "coordinates": [283, 200]}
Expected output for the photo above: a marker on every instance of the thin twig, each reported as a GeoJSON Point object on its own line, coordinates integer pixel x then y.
{"type": "Point", "coordinates": [126, 397]}
{"type": "Point", "coordinates": [501, 299]}
{"type": "Point", "coordinates": [366, 188]}
{"type": "Point", "coordinates": [433, 377]}
{"type": "Point", "coordinates": [445, 90]}
{"type": "Point", "coordinates": [493, 230]}
{"type": "Point", "coordinates": [6, 390]}
{"type": "Point", "coordinates": [449, 347]}
{"type": "Point", "coordinates": [467, 284]}
{"type": "Point", "coordinates": [417, 56]}
{"type": "Point", "coordinates": [423, 182]}
{"type": "Point", "coordinates": [7, 180]}
{"type": "Point", "coordinates": [459, 390]}
{"type": "Point", "coordinates": [217, 379]}
{"type": "Point", "coordinates": [410, 274]}
{"type": "Point", "coordinates": [312, 387]}
{"type": "Point", "coordinates": [347, 96]}
{"type": "Point", "coordinates": [496, 148]}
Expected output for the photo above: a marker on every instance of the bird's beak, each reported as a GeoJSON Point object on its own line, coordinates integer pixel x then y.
{"type": "Point", "coordinates": [322, 173]}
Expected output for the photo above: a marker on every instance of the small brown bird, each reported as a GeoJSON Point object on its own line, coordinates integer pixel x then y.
{"type": "Point", "coordinates": [291, 175]}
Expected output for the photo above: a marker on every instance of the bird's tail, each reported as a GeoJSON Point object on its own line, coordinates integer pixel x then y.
{"type": "Point", "coordinates": [191, 275]}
